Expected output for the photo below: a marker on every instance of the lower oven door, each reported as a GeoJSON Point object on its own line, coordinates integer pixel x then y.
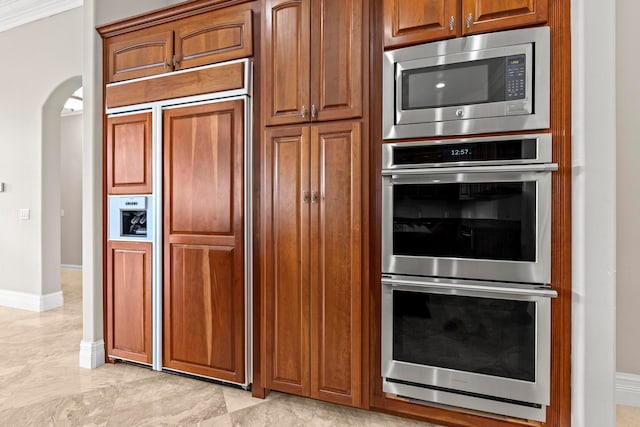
{"type": "Point", "coordinates": [480, 223]}
{"type": "Point", "coordinates": [486, 343]}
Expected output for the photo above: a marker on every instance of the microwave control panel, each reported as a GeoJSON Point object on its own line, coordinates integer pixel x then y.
{"type": "Point", "coordinates": [516, 77]}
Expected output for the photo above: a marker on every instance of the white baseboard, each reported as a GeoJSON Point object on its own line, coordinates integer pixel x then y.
{"type": "Point", "coordinates": [91, 354]}
{"type": "Point", "coordinates": [627, 389]}
{"type": "Point", "coordinates": [31, 302]}
{"type": "Point", "coordinates": [71, 267]}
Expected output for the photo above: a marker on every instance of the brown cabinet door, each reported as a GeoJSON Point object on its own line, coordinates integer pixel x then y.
{"type": "Point", "coordinates": [285, 264]}
{"type": "Point", "coordinates": [286, 61]}
{"type": "Point", "coordinates": [139, 54]}
{"type": "Point", "coordinates": [336, 59]}
{"type": "Point", "coordinates": [409, 22]}
{"type": "Point", "coordinates": [129, 333]}
{"type": "Point", "coordinates": [481, 16]}
{"type": "Point", "coordinates": [336, 269]}
{"type": "Point", "coordinates": [129, 154]}
{"type": "Point", "coordinates": [204, 331]}
{"type": "Point", "coordinates": [214, 37]}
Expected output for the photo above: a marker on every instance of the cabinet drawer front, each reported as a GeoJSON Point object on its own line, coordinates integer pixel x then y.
{"type": "Point", "coordinates": [214, 37]}
{"type": "Point", "coordinates": [138, 54]}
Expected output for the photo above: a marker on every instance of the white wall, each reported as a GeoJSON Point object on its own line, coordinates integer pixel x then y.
{"type": "Point", "coordinates": [71, 189]}
{"type": "Point", "coordinates": [628, 191]}
{"type": "Point", "coordinates": [38, 57]}
{"type": "Point", "coordinates": [594, 210]}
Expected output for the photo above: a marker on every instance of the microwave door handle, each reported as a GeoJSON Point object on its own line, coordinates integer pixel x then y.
{"type": "Point", "coordinates": [517, 291]}
{"type": "Point", "coordinates": [544, 167]}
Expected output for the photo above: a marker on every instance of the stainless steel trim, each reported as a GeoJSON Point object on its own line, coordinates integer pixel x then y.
{"type": "Point", "coordinates": [157, 290]}
{"type": "Point", "coordinates": [438, 124]}
{"type": "Point", "coordinates": [248, 240]}
{"type": "Point", "coordinates": [478, 288]}
{"type": "Point", "coordinates": [538, 271]}
{"type": "Point", "coordinates": [543, 153]}
{"type": "Point", "coordinates": [430, 397]}
{"type": "Point", "coordinates": [548, 167]}
{"type": "Point", "coordinates": [537, 391]}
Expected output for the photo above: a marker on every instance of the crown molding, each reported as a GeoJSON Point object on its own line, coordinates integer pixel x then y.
{"type": "Point", "coordinates": [14, 13]}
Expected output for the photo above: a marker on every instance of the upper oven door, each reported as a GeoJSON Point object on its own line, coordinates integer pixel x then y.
{"type": "Point", "coordinates": [486, 223]}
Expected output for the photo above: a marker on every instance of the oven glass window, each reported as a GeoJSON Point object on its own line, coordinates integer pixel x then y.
{"type": "Point", "coordinates": [480, 335]}
{"type": "Point", "coordinates": [466, 83]}
{"type": "Point", "coordinates": [492, 220]}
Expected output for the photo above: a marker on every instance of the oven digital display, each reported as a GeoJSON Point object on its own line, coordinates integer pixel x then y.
{"type": "Point", "coordinates": [518, 149]}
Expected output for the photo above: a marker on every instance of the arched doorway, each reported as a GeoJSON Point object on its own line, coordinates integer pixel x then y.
{"type": "Point", "coordinates": [51, 183]}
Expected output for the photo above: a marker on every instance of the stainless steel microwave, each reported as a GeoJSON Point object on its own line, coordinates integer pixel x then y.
{"type": "Point", "coordinates": [485, 83]}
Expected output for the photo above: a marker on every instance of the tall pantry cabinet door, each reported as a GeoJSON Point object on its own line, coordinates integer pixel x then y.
{"type": "Point", "coordinates": [286, 54]}
{"type": "Point", "coordinates": [336, 262]}
{"type": "Point", "coordinates": [285, 264]}
{"type": "Point", "coordinates": [129, 301]}
{"type": "Point", "coordinates": [336, 59]}
{"type": "Point", "coordinates": [481, 16]}
{"type": "Point", "coordinates": [204, 331]}
{"type": "Point", "coordinates": [129, 154]}
{"type": "Point", "coordinates": [418, 21]}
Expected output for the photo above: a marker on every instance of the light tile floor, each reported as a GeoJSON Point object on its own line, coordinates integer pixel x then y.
{"type": "Point", "coordinates": [42, 385]}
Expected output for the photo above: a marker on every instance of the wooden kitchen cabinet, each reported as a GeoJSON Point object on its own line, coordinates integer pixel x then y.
{"type": "Point", "coordinates": [203, 297]}
{"type": "Point", "coordinates": [312, 260]}
{"type": "Point", "coordinates": [312, 53]}
{"type": "Point", "coordinates": [408, 22]}
{"type": "Point", "coordinates": [129, 154]}
{"type": "Point", "coordinates": [481, 16]}
{"type": "Point", "coordinates": [128, 315]}
{"type": "Point", "coordinates": [202, 39]}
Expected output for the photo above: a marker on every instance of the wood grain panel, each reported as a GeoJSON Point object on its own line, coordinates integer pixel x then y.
{"type": "Point", "coordinates": [495, 15]}
{"type": "Point", "coordinates": [129, 154]}
{"type": "Point", "coordinates": [139, 54]}
{"type": "Point", "coordinates": [286, 56]}
{"type": "Point", "coordinates": [286, 259]}
{"type": "Point", "coordinates": [203, 240]}
{"type": "Point", "coordinates": [418, 21]}
{"type": "Point", "coordinates": [336, 237]}
{"type": "Point", "coordinates": [559, 412]}
{"type": "Point", "coordinates": [201, 312]}
{"type": "Point", "coordinates": [336, 58]}
{"type": "Point", "coordinates": [128, 315]}
{"type": "Point", "coordinates": [202, 170]}
{"type": "Point", "coordinates": [208, 80]}
{"type": "Point", "coordinates": [214, 37]}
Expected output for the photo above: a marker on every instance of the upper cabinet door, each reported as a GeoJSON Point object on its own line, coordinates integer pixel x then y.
{"type": "Point", "coordinates": [480, 16]}
{"type": "Point", "coordinates": [417, 21]}
{"type": "Point", "coordinates": [336, 59]}
{"type": "Point", "coordinates": [139, 54]}
{"type": "Point", "coordinates": [213, 37]}
{"type": "Point", "coordinates": [129, 154]}
{"type": "Point", "coordinates": [286, 61]}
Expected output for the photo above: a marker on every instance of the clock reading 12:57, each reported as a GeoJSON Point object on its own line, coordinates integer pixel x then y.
{"type": "Point", "coordinates": [460, 152]}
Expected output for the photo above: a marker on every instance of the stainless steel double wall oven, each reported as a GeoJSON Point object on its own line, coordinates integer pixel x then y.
{"type": "Point", "coordinates": [466, 224]}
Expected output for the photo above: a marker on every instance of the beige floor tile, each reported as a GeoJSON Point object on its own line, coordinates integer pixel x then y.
{"type": "Point", "coordinates": [627, 416]}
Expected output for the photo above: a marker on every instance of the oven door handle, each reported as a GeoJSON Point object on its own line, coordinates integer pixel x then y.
{"type": "Point", "coordinates": [544, 167]}
{"type": "Point", "coordinates": [461, 287]}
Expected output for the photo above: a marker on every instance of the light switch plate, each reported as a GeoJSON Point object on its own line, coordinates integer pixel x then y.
{"type": "Point", "coordinates": [25, 213]}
